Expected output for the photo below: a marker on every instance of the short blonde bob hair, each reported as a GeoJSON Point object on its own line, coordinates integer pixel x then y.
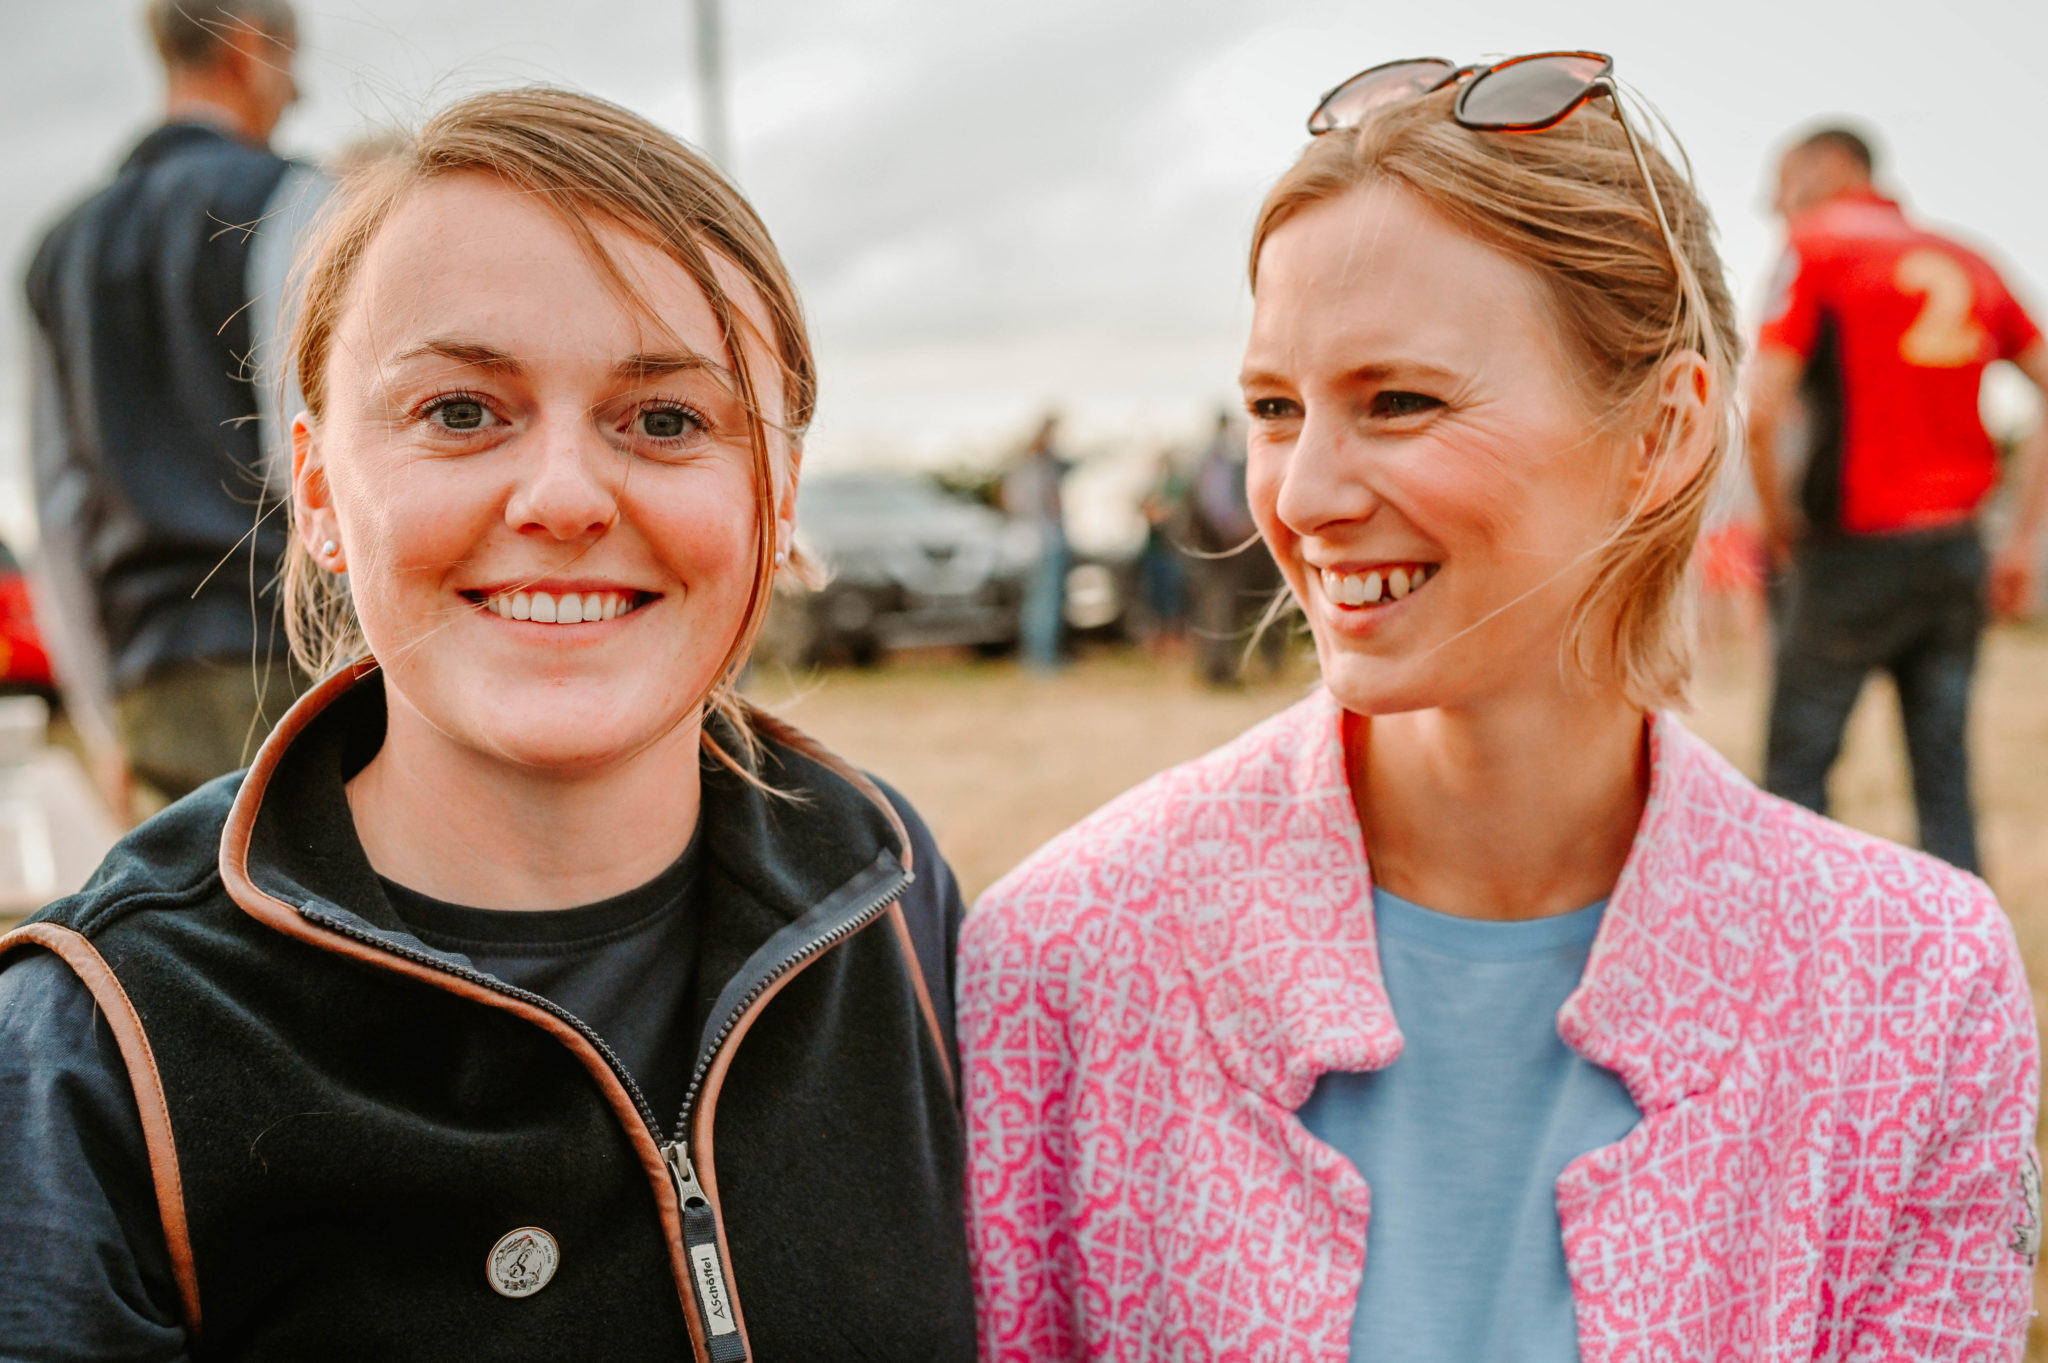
{"type": "Point", "coordinates": [589, 161]}
{"type": "Point", "coordinates": [1570, 205]}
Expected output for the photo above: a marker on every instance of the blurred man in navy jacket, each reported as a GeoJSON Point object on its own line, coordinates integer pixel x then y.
{"type": "Point", "coordinates": [155, 305]}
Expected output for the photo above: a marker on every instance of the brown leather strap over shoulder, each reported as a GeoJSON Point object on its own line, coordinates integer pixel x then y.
{"type": "Point", "coordinates": [908, 945]}
{"type": "Point", "coordinates": [126, 1024]}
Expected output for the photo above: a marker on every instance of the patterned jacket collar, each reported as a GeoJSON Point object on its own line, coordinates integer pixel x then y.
{"type": "Point", "coordinates": [1286, 958]}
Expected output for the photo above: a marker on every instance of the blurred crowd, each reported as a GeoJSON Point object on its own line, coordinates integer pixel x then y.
{"type": "Point", "coordinates": [1200, 582]}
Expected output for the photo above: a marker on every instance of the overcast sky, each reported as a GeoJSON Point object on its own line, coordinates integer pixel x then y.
{"type": "Point", "coordinates": [990, 208]}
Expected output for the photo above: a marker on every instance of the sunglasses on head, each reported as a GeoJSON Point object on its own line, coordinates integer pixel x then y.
{"type": "Point", "coordinates": [1519, 95]}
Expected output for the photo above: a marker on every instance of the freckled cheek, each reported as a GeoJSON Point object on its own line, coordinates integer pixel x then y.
{"type": "Point", "coordinates": [403, 517]}
{"type": "Point", "coordinates": [1457, 497]}
{"type": "Point", "coordinates": [707, 540]}
{"type": "Point", "coordinates": [1265, 464]}
{"type": "Point", "coordinates": [400, 586]}
{"type": "Point", "coordinates": [1263, 478]}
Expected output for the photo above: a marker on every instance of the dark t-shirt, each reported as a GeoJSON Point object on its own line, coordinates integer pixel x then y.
{"type": "Point", "coordinates": [626, 966]}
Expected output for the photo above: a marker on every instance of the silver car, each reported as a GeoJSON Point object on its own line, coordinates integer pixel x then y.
{"type": "Point", "coordinates": [911, 565]}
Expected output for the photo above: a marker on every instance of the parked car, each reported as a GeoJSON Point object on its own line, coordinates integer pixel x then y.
{"type": "Point", "coordinates": [911, 565]}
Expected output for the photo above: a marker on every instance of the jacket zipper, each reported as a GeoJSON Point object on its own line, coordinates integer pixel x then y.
{"type": "Point", "coordinates": [871, 908]}
{"type": "Point", "coordinates": [710, 1279]}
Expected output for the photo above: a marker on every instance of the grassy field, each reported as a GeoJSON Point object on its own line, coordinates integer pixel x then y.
{"type": "Point", "coordinates": [998, 760]}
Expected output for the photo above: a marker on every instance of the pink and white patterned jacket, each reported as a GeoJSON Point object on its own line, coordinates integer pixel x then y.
{"type": "Point", "coordinates": [1829, 1037]}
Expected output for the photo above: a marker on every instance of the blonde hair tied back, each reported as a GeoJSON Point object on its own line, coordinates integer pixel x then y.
{"type": "Point", "coordinates": [587, 160]}
{"type": "Point", "coordinates": [1570, 204]}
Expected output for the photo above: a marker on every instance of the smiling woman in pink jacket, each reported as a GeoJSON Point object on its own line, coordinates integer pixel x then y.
{"type": "Point", "coordinates": [1472, 1008]}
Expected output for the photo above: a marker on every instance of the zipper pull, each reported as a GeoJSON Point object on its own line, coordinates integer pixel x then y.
{"type": "Point", "coordinates": [683, 1172]}
{"type": "Point", "coordinates": [708, 1277]}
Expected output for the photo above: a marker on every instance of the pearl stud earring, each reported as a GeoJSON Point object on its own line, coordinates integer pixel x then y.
{"type": "Point", "coordinates": [327, 548]}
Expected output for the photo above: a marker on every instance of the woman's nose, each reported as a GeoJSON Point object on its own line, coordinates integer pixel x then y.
{"type": "Point", "coordinates": [569, 486]}
{"type": "Point", "coordinates": [1320, 479]}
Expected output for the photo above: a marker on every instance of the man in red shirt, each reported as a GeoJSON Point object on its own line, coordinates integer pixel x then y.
{"type": "Point", "coordinates": [1881, 330]}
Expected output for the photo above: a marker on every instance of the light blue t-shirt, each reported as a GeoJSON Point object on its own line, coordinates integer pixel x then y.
{"type": "Point", "coordinates": [1462, 1138]}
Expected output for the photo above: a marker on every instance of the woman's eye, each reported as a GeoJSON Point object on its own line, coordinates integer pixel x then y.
{"type": "Point", "coordinates": [1273, 409]}
{"type": "Point", "coordinates": [1399, 404]}
{"type": "Point", "coordinates": [461, 414]}
{"type": "Point", "coordinates": [666, 423]}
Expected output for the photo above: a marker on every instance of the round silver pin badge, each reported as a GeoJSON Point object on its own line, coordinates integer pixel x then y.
{"type": "Point", "coordinates": [522, 1262]}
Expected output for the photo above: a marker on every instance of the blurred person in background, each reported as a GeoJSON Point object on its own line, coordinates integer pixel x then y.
{"type": "Point", "coordinates": [1472, 1008]}
{"type": "Point", "coordinates": [412, 1041]}
{"type": "Point", "coordinates": [155, 309]}
{"type": "Point", "coordinates": [1881, 329]}
{"type": "Point", "coordinates": [1232, 576]}
{"type": "Point", "coordinates": [1162, 567]}
{"type": "Point", "coordinates": [1032, 495]}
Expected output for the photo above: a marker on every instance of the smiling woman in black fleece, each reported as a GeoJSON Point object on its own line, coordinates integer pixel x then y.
{"type": "Point", "coordinates": [531, 996]}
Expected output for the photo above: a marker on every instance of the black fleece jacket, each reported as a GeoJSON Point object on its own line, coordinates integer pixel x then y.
{"type": "Point", "coordinates": [343, 1122]}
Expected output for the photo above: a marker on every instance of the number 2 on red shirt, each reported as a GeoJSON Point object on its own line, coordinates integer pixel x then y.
{"type": "Point", "coordinates": [1945, 335]}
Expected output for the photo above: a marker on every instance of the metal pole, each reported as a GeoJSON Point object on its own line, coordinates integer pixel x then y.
{"type": "Point", "coordinates": [714, 136]}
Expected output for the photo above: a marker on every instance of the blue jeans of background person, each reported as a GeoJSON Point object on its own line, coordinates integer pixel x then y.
{"type": "Point", "coordinates": [1913, 606]}
{"type": "Point", "coordinates": [1045, 602]}
{"type": "Point", "coordinates": [1165, 581]}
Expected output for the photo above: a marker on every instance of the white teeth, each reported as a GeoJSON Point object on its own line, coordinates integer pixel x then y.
{"type": "Point", "coordinates": [1354, 589]}
{"type": "Point", "coordinates": [571, 608]}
